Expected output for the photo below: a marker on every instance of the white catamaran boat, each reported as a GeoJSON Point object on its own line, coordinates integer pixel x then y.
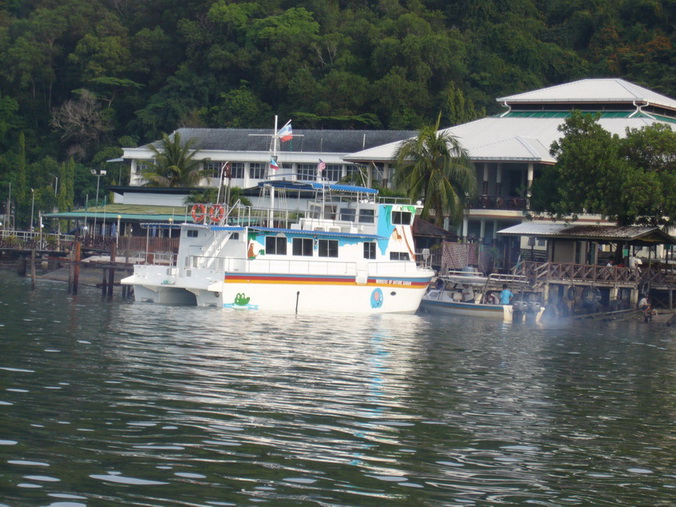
{"type": "Point", "coordinates": [468, 293]}
{"type": "Point", "coordinates": [347, 251]}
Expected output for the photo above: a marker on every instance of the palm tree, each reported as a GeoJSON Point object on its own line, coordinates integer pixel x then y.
{"type": "Point", "coordinates": [436, 168]}
{"type": "Point", "coordinates": [174, 164]}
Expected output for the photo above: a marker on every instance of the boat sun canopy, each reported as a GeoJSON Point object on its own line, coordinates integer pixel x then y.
{"type": "Point", "coordinates": [318, 186]}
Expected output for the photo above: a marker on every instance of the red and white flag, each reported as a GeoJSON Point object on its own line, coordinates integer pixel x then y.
{"type": "Point", "coordinates": [285, 133]}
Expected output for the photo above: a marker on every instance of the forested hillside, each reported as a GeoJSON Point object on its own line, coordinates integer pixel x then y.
{"type": "Point", "coordinates": [80, 78]}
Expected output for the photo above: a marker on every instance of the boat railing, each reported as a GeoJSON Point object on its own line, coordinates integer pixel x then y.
{"type": "Point", "coordinates": [160, 258]}
{"type": "Point", "coordinates": [296, 266]}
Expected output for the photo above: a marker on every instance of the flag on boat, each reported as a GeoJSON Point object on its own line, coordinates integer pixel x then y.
{"type": "Point", "coordinates": [273, 164]}
{"type": "Point", "coordinates": [321, 166]}
{"type": "Point", "coordinates": [285, 133]}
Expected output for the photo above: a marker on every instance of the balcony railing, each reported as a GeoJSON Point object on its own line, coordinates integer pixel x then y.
{"type": "Point", "coordinates": [500, 202]}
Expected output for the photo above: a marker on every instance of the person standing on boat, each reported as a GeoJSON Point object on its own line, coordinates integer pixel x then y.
{"type": "Point", "coordinates": [506, 295]}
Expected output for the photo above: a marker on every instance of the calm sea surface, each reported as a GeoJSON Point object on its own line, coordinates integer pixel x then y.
{"type": "Point", "coordinates": [108, 402]}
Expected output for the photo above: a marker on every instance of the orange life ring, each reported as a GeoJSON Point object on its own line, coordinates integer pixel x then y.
{"type": "Point", "coordinates": [198, 213]}
{"type": "Point", "coordinates": [216, 213]}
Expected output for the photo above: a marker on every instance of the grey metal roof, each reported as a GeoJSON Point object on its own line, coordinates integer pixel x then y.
{"type": "Point", "coordinates": [304, 140]}
{"type": "Point", "coordinates": [592, 90]}
{"type": "Point", "coordinates": [509, 138]}
{"type": "Point", "coordinates": [650, 235]}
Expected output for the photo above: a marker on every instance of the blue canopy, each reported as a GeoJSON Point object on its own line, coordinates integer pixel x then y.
{"type": "Point", "coordinates": [318, 185]}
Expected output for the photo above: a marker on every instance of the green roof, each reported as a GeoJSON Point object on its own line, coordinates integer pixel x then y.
{"type": "Point", "coordinates": [566, 114]}
{"type": "Point", "coordinates": [127, 212]}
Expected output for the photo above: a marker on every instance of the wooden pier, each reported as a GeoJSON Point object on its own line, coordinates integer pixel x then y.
{"type": "Point", "coordinates": [615, 283]}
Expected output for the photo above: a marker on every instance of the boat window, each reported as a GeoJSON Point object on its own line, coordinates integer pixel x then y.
{"type": "Point", "coordinates": [399, 256]}
{"type": "Point", "coordinates": [302, 246]}
{"type": "Point", "coordinates": [275, 245]}
{"type": "Point", "coordinates": [314, 210]}
{"type": "Point", "coordinates": [348, 214]}
{"type": "Point", "coordinates": [191, 233]}
{"type": "Point", "coordinates": [234, 235]}
{"type": "Point", "coordinates": [369, 250]}
{"type": "Point", "coordinates": [330, 212]}
{"type": "Point", "coordinates": [367, 216]}
{"type": "Point", "coordinates": [328, 248]}
{"type": "Point", "coordinates": [401, 217]}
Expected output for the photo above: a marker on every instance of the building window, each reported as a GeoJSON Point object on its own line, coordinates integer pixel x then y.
{"type": "Point", "coordinates": [237, 170]}
{"type": "Point", "coordinates": [307, 171]}
{"type": "Point", "coordinates": [142, 166]}
{"type": "Point", "coordinates": [302, 246]}
{"type": "Point", "coordinates": [191, 233]}
{"type": "Point", "coordinates": [333, 172]}
{"type": "Point", "coordinates": [328, 248]}
{"type": "Point", "coordinates": [369, 250]}
{"type": "Point", "coordinates": [366, 216]}
{"type": "Point", "coordinates": [354, 173]}
{"type": "Point", "coordinates": [212, 169]}
{"type": "Point", "coordinates": [399, 256]}
{"type": "Point", "coordinates": [275, 245]}
{"type": "Point", "coordinates": [256, 171]}
{"type": "Point", "coordinates": [401, 218]}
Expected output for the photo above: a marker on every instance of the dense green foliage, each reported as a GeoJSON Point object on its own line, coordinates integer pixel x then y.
{"type": "Point", "coordinates": [83, 77]}
{"type": "Point", "coordinates": [630, 179]}
{"type": "Point", "coordinates": [174, 164]}
{"type": "Point", "coordinates": [434, 167]}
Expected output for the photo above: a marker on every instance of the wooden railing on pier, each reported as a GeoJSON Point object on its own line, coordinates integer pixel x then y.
{"type": "Point", "coordinates": [602, 276]}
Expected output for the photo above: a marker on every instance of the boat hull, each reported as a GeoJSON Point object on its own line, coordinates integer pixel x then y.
{"type": "Point", "coordinates": [164, 295]}
{"type": "Point", "coordinates": [436, 302]}
{"type": "Point", "coordinates": [308, 296]}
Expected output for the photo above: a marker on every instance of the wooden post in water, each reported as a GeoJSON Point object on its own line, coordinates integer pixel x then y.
{"type": "Point", "coordinates": [76, 265]}
{"type": "Point", "coordinates": [21, 266]}
{"type": "Point", "coordinates": [111, 271]}
{"type": "Point", "coordinates": [33, 268]}
{"type": "Point", "coordinates": [104, 282]}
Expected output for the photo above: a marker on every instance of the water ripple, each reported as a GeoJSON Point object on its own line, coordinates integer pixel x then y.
{"type": "Point", "coordinates": [140, 404]}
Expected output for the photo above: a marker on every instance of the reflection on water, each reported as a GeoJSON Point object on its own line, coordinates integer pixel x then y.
{"type": "Point", "coordinates": [119, 403]}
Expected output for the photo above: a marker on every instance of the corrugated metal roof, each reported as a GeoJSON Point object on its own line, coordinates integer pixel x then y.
{"type": "Point", "coordinates": [589, 232]}
{"type": "Point", "coordinates": [320, 141]}
{"type": "Point", "coordinates": [509, 138]}
{"type": "Point", "coordinates": [592, 90]}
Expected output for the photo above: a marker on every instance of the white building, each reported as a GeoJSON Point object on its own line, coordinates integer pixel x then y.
{"type": "Point", "coordinates": [508, 150]}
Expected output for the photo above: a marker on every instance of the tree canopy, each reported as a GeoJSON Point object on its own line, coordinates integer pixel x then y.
{"type": "Point", "coordinates": [434, 167]}
{"type": "Point", "coordinates": [174, 164]}
{"type": "Point", "coordinates": [81, 78]}
{"type": "Point", "coordinates": [630, 179]}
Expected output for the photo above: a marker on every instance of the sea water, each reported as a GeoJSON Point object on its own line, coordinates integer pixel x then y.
{"type": "Point", "coordinates": [110, 402]}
